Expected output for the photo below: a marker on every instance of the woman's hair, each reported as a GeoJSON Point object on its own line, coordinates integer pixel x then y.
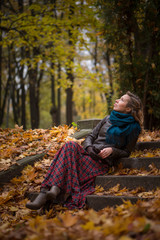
{"type": "Point", "coordinates": [136, 108]}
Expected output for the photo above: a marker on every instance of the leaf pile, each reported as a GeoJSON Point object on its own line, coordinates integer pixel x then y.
{"type": "Point", "coordinates": [117, 191]}
{"type": "Point", "coordinates": [16, 143]}
{"type": "Point", "coordinates": [134, 171]}
{"type": "Point", "coordinates": [125, 222]}
{"type": "Point", "coordinates": [146, 153]}
{"type": "Point", "coordinates": [148, 136]}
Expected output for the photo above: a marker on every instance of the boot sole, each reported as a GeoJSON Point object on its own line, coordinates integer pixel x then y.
{"type": "Point", "coordinates": [32, 207]}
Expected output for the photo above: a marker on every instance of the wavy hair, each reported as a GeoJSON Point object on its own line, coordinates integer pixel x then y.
{"type": "Point", "coordinates": [136, 108]}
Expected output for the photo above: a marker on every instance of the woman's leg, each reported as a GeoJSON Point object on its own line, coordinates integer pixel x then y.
{"type": "Point", "coordinates": [64, 166]}
{"type": "Point", "coordinates": [57, 175]}
{"type": "Point", "coordinates": [73, 171]}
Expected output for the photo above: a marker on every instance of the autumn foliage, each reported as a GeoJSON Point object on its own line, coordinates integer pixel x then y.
{"type": "Point", "coordinates": [125, 222]}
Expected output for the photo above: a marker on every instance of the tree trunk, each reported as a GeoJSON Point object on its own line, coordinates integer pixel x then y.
{"type": "Point", "coordinates": [53, 110]}
{"type": "Point", "coordinates": [14, 103]}
{"type": "Point", "coordinates": [34, 85]}
{"type": "Point", "coordinates": [109, 95]}
{"type": "Point", "coordinates": [33, 95]}
{"type": "Point", "coordinates": [4, 100]}
{"type": "Point", "coordinates": [21, 73]}
{"type": "Point", "coordinates": [13, 87]}
{"type": "Point", "coordinates": [69, 91]}
{"type": "Point", "coordinates": [23, 94]}
{"type": "Point", "coordinates": [59, 97]}
{"type": "Point", "coordinates": [145, 89]}
{"type": "Point", "coordinates": [69, 98]}
{"type": "Point", "coordinates": [9, 87]}
{"type": "Point", "coordinates": [69, 105]}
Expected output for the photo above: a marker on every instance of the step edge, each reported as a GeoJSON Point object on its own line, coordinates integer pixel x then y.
{"type": "Point", "coordinates": [122, 196]}
{"type": "Point", "coordinates": [128, 176]}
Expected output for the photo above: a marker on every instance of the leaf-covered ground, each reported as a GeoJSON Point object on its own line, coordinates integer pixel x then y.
{"type": "Point", "coordinates": [125, 222]}
{"type": "Point", "coordinates": [16, 143]}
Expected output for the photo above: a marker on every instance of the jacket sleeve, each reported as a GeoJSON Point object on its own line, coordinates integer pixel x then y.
{"type": "Point", "coordinates": [93, 135]}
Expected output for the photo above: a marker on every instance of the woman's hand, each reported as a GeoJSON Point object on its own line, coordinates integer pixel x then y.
{"type": "Point", "coordinates": [105, 152]}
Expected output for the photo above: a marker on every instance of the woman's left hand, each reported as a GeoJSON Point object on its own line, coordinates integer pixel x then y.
{"type": "Point", "coordinates": [104, 153]}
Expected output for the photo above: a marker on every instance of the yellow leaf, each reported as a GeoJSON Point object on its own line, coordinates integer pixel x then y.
{"type": "Point", "coordinates": [57, 222]}
{"type": "Point", "coordinates": [13, 209]}
{"type": "Point", "coordinates": [99, 189]}
{"type": "Point", "coordinates": [149, 155]}
{"type": "Point", "coordinates": [115, 188]}
{"type": "Point", "coordinates": [68, 219]}
{"type": "Point", "coordinates": [125, 238]}
{"type": "Point", "coordinates": [88, 226]}
{"type": "Point", "coordinates": [93, 216]}
{"type": "Point", "coordinates": [128, 204]}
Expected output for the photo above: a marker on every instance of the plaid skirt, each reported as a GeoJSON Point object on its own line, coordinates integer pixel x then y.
{"type": "Point", "coordinates": [74, 172]}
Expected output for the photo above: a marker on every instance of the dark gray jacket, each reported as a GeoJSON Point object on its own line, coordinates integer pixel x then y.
{"type": "Point", "coordinates": [98, 136]}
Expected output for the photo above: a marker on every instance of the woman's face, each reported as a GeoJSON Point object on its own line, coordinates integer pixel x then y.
{"type": "Point", "coordinates": [120, 104]}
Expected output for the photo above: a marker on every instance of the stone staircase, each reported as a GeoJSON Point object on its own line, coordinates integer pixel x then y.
{"type": "Point", "coordinates": [131, 182]}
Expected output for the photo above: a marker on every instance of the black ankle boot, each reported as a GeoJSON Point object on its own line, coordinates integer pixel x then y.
{"type": "Point", "coordinates": [39, 201]}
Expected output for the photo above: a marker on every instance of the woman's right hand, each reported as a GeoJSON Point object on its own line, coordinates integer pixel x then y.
{"type": "Point", "coordinates": [105, 152]}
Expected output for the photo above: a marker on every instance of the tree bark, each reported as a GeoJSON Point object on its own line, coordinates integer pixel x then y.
{"type": "Point", "coordinates": [109, 94]}
{"type": "Point", "coordinates": [53, 110]}
{"type": "Point", "coordinates": [9, 87]}
{"type": "Point", "coordinates": [34, 84]}
{"type": "Point", "coordinates": [21, 73]}
{"type": "Point", "coordinates": [69, 98]}
{"type": "Point", "coordinates": [23, 94]}
{"type": "Point", "coordinates": [69, 91]}
{"type": "Point", "coordinates": [59, 97]}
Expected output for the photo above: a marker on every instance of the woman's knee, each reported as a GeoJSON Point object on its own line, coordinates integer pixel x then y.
{"type": "Point", "coordinates": [71, 144]}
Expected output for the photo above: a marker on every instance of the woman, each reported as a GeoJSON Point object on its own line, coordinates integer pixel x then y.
{"type": "Point", "coordinates": [74, 168]}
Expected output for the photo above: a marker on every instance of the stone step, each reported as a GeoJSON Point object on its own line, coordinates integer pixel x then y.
{"type": "Point", "coordinates": [93, 201]}
{"type": "Point", "coordinates": [139, 163]}
{"type": "Point", "coordinates": [88, 123]}
{"type": "Point", "coordinates": [147, 145]}
{"type": "Point", "coordinates": [15, 170]}
{"type": "Point", "coordinates": [129, 181]}
{"type": "Point", "coordinates": [99, 202]}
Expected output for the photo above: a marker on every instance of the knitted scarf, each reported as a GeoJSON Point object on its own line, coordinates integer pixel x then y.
{"type": "Point", "coordinates": [123, 129]}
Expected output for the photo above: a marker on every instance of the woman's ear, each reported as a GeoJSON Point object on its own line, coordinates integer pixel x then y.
{"type": "Point", "coordinates": [128, 109]}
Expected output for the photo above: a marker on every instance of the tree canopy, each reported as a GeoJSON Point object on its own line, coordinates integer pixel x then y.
{"type": "Point", "coordinates": [65, 60]}
{"type": "Point", "coordinates": [132, 33]}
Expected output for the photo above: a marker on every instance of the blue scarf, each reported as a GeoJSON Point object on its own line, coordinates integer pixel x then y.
{"type": "Point", "coordinates": [123, 129]}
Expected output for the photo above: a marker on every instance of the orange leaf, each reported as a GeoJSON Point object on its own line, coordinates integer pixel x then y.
{"type": "Point", "coordinates": [68, 219]}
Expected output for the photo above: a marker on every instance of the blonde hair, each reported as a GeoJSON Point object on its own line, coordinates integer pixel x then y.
{"type": "Point", "coordinates": [136, 108]}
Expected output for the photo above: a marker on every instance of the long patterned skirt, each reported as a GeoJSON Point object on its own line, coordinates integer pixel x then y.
{"type": "Point", "coordinates": [74, 172]}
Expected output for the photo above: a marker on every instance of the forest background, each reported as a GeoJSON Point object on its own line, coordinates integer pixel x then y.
{"type": "Point", "coordinates": [64, 60]}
